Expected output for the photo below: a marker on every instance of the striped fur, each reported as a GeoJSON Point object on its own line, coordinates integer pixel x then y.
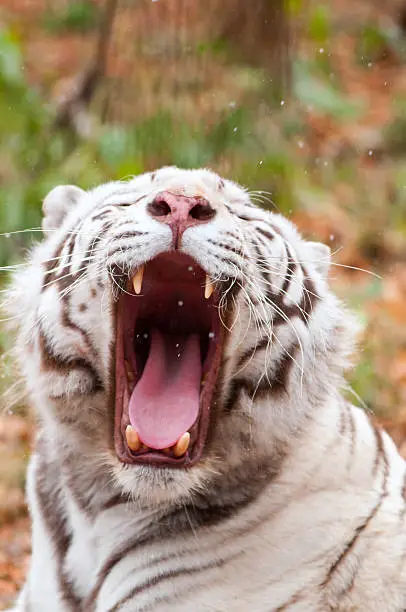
{"type": "Point", "coordinates": [299, 501]}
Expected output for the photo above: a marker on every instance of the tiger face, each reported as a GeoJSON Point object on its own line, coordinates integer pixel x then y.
{"type": "Point", "coordinates": [173, 333]}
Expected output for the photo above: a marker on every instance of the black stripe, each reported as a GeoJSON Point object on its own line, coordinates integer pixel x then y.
{"type": "Point", "coordinates": [63, 365]}
{"type": "Point", "coordinates": [95, 241]}
{"type": "Point", "coordinates": [343, 421]}
{"type": "Point", "coordinates": [226, 246]}
{"type": "Point", "coordinates": [363, 526]}
{"type": "Point", "coordinates": [290, 270]}
{"type": "Point", "coordinates": [270, 383]}
{"type": "Point", "coordinates": [250, 352]}
{"type": "Point", "coordinates": [56, 525]}
{"type": "Point", "coordinates": [265, 233]}
{"type": "Point", "coordinates": [251, 219]}
{"type": "Point", "coordinates": [121, 193]}
{"type": "Point", "coordinates": [102, 214]}
{"type": "Point", "coordinates": [294, 599]}
{"type": "Point", "coordinates": [129, 234]}
{"type": "Point", "coordinates": [169, 575]}
{"type": "Point", "coordinates": [379, 448]}
{"type": "Point", "coordinates": [353, 435]}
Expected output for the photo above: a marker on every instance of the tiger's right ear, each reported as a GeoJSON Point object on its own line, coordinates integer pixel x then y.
{"type": "Point", "coordinates": [58, 203]}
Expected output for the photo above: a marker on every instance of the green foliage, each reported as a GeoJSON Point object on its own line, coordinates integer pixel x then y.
{"type": "Point", "coordinates": [376, 42]}
{"type": "Point", "coordinates": [76, 16]}
{"type": "Point", "coordinates": [322, 96]}
{"type": "Point", "coordinates": [319, 28]}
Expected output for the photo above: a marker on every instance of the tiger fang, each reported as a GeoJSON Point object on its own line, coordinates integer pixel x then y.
{"type": "Point", "coordinates": [137, 280]}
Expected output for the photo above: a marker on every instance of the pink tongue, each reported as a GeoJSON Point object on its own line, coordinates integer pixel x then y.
{"type": "Point", "coordinates": [165, 401]}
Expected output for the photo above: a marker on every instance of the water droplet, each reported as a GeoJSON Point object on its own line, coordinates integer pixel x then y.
{"type": "Point", "coordinates": [180, 303]}
{"type": "Point", "coordinates": [321, 50]}
{"type": "Point", "coordinates": [211, 334]}
{"type": "Point", "coordinates": [260, 162]}
{"type": "Point", "coordinates": [235, 129]}
{"type": "Point", "coordinates": [190, 269]}
{"type": "Point", "coordinates": [370, 152]}
{"type": "Point", "coordinates": [331, 237]}
{"type": "Point", "coordinates": [177, 345]}
{"type": "Point", "coordinates": [178, 355]}
{"type": "Point", "coordinates": [282, 102]}
{"type": "Point", "coordinates": [369, 64]}
{"type": "Point", "coordinates": [145, 336]}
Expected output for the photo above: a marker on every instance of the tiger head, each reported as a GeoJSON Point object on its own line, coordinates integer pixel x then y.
{"type": "Point", "coordinates": [173, 334]}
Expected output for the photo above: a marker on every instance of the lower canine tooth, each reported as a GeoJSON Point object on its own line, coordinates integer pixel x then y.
{"type": "Point", "coordinates": [182, 445]}
{"type": "Point", "coordinates": [133, 440]}
{"type": "Point", "coordinates": [209, 287]}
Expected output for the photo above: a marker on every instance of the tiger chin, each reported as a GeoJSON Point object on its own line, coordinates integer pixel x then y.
{"type": "Point", "coordinates": [185, 357]}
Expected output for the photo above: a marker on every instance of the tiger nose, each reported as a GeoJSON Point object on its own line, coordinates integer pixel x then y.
{"type": "Point", "coordinates": [180, 212]}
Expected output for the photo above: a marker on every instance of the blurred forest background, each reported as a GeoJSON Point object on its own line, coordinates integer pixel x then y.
{"type": "Point", "coordinates": [93, 90]}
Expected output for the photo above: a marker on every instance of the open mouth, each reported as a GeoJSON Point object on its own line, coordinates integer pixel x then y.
{"type": "Point", "coordinates": [169, 341]}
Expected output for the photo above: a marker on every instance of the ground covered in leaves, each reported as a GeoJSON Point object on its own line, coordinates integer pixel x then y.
{"type": "Point", "coordinates": [332, 156]}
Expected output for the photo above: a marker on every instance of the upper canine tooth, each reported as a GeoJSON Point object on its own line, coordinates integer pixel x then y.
{"type": "Point", "coordinates": [133, 440]}
{"type": "Point", "coordinates": [182, 445]}
{"type": "Point", "coordinates": [209, 287]}
{"type": "Point", "coordinates": [137, 279]}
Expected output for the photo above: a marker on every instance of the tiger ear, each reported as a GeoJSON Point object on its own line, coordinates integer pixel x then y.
{"type": "Point", "coordinates": [58, 203]}
{"type": "Point", "coordinates": [320, 257]}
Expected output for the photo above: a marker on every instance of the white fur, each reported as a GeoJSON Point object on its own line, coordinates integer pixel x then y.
{"type": "Point", "coordinates": [337, 489]}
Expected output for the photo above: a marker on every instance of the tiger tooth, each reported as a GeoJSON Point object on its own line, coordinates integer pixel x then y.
{"type": "Point", "coordinates": [137, 279]}
{"type": "Point", "coordinates": [182, 445]}
{"type": "Point", "coordinates": [209, 287]}
{"type": "Point", "coordinates": [133, 440]}
{"type": "Point", "coordinates": [129, 372]}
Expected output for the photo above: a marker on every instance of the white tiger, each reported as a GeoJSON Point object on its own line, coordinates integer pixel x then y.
{"type": "Point", "coordinates": [185, 357]}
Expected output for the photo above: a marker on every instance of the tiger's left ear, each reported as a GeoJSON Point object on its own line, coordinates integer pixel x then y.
{"type": "Point", "coordinates": [58, 203]}
{"type": "Point", "coordinates": [319, 255]}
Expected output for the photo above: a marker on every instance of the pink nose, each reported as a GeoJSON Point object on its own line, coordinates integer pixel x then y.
{"type": "Point", "coordinates": [180, 212]}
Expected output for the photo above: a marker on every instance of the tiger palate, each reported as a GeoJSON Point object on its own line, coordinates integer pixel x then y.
{"type": "Point", "coordinates": [168, 348]}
